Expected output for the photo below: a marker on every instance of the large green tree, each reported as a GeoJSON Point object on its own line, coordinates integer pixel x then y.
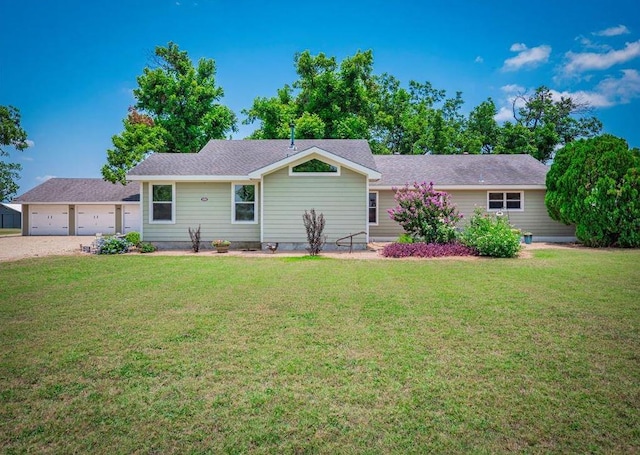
{"type": "Point", "coordinates": [177, 110]}
{"type": "Point", "coordinates": [11, 134]}
{"type": "Point", "coordinates": [347, 100]}
{"type": "Point", "coordinates": [595, 184]}
{"type": "Point", "coordinates": [327, 101]}
{"type": "Point", "coordinates": [543, 123]}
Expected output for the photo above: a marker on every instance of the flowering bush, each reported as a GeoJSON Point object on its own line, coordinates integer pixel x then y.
{"type": "Point", "coordinates": [426, 250]}
{"type": "Point", "coordinates": [113, 245]}
{"type": "Point", "coordinates": [492, 235]}
{"type": "Point", "coordinates": [217, 243]}
{"type": "Point", "coordinates": [425, 214]}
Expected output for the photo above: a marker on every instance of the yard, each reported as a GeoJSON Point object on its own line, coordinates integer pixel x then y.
{"type": "Point", "coordinates": [196, 354]}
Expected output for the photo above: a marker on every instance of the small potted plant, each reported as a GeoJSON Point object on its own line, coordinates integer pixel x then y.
{"type": "Point", "coordinates": [221, 246]}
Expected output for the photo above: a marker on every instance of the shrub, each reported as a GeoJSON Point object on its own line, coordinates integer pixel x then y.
{"type": "Point", "coordinates": [426, 250]}
{"type": "Point", "coordinates": [146, 247]}
{"type": "Point", "coordinates": [113, 245]}
{"type": "Point", "coordinates": [314, 225]}
{"type": "Point", "coordinates": [425, 214]}
{"type": "Point", "coordinates": [405, 238]}
{"type": "Point", "coordinates": [217, 243]}
{"type": "Point", "coordinates": [133, 238]}
{"type": "Point", "coordinates": [595, 184]}
{"type": "Point", "coordinates": [195, 239]}
{"type": "Point", "coordinates": [491, 235]}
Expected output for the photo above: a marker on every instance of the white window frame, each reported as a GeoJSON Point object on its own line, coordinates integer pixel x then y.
{"type": "Point", "coordinates": [504, 201]}
{"type": "Point", "coordinates": [377, 193]}
{"type": "Point", "coordinates": [315, 174]}
{"type": "Point", "coordinates": [233, 202]}
{"type": "Point", "coordinates": [173, 203]}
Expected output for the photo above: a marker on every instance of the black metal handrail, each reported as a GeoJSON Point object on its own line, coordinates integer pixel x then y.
{"type": "Point", "coordinates": [350, 237]}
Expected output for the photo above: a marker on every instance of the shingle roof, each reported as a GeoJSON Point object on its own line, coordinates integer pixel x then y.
{"type": "Point", "coordinates": [241, 157]}
{"type": "Point", "coordinates": [453, 170]}
{"type": "Point", "coordinates": [80, 190]}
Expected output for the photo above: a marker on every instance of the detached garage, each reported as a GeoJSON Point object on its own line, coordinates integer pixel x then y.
{"type": "Point", "coordinates": [66, 206]}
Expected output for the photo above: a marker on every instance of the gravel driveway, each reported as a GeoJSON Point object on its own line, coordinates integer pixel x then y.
{"type": "Point", "coordinates": [13, 247]}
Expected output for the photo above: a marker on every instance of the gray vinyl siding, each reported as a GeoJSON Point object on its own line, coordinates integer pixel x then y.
{"type": "Point", "coordinates": [342, 199]}
{"type": "Point", "coordinates": [212, 214]}
{"type": "Point", "coordinates": [534, 218]}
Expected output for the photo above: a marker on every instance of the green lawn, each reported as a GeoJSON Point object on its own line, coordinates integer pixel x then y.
{"type": "Point", "coordinates": [209, 354]}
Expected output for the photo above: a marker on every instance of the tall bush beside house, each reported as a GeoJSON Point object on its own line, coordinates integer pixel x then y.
{"type": "Point", "coordinates": [425, 214]}
{"type": "Point", "coordinates": [595, 184]}
{"type": "Point", "coordinates": [314, 225]}
{"type": "Point", "coordinates": [491, 235]}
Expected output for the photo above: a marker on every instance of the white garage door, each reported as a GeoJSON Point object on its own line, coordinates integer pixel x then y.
{"type": "Point", "coordinates": [131, 218]}
{"type": "Point", "coordinates": [94, 219]}
{"type": "Point", "coordinates": [48, 220]}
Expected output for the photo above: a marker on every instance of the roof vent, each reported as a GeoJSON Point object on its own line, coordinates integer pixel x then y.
{"type": "Point", "coordinates": [292, 146]}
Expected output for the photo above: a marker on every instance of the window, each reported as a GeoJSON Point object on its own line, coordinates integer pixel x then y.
{"type": "Point", "coordinates": [373, 208]}
{"type": "Point", "coordinates": [162, 205]}
{"type": "Point", "coordinates": [504, 201]}
{"type": "Point", "coordinates": [314, 167]}
{"type": "Point", "coordinates": [244, 203]}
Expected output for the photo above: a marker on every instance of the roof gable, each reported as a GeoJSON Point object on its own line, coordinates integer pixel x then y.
{"type": "Point", "coordinates": [234, 159]}
{"type": "Point", "coordinates": [314, 152]}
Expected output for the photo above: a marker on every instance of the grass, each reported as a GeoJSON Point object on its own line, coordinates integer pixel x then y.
{"type": "Point", "coordinates": [165, 354]}
{"type": "Point", "coordinates": [8, 231]}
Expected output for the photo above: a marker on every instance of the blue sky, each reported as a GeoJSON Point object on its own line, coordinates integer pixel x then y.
{"type": "Point", "coordinates": [70, 66]}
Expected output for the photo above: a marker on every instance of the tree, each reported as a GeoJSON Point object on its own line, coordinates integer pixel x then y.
{"type": "Point", "coordinates": [425, 214]}
{"type": "Point", "coordinates": [551, 123]}
{"type": "Point", "coordinates": [595, 184]}
{"type": "Point", "coordinates": [327, 101]}
{"type": "Point", "coordinates": [11, 134]}
{"type": "Point", "coordinates": [482, 131]}
{"type": "Point", "coordinates": [182, 103]}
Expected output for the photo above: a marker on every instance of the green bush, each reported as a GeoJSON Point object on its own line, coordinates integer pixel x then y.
{"type": "Point", "coordinates": [133, 238]}
{"type": "Point", "coordinates": [595, 184]}
{"type": "Point", "coordinates": [147, 247]}
{"type": "Point", "coordinates": [405, 239]}
{"type": "Point", "coordinates": [113, 245]}
{"type": "Point", "coordinates": [492, 235]}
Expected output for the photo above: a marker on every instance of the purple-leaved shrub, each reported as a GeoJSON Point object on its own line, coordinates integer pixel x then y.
{"type": "Point", "coordinates": [427, 250]}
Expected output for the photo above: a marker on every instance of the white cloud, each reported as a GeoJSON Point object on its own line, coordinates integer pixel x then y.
{"type": "Point", "coordinates": [613, 31]}
{"type": "Point", "coordinates": [512, 88]}
{"type": "Point", "coordinates": [526, 57]}
{"type": "Point", "coordinates": [621, 90]}
{"type": "Point", "coordinates": [609, 92]}
{"type": "Point", "coordinates": [585, 97]}
{"type": "Point", "coordinates": [584, 61]}
{"type": "Point", "coordinates": [44, 178]}
{"type": "Point", "coordinates": [30, 143]}
{"type": "Point", "coordinates": [479, 59]}
{"type": "Point", "coordinates": [504, 114]}
{"type": "Point", "coordinates": [26, 158]}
